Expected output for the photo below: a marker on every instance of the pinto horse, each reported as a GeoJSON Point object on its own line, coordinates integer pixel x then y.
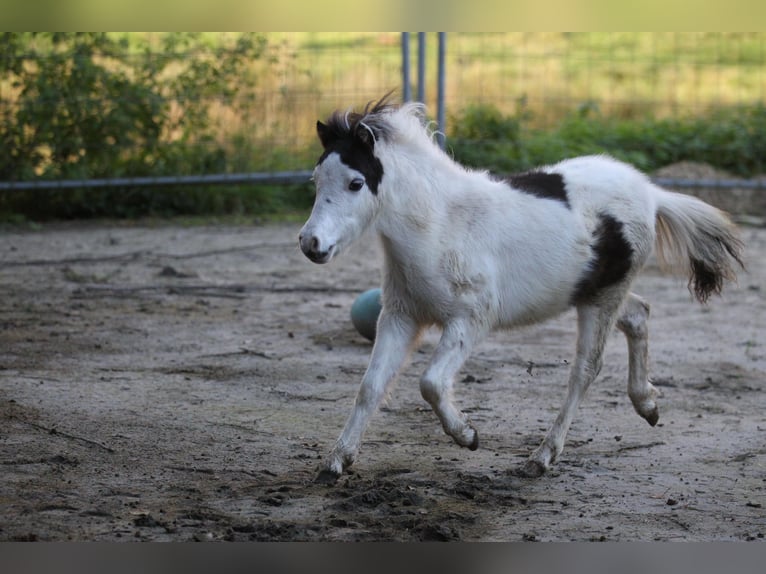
{"type": "Point", "coordinates": [469, 253]}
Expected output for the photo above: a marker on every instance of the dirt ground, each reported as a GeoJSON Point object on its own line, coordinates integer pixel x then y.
{"type": "Point", "coordinates": [175, 383]}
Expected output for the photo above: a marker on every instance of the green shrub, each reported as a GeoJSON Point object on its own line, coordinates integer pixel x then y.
{"type": "Point", "coordinates": [97, 105]}
{"type": "Point", "coordinates": [733, 139]}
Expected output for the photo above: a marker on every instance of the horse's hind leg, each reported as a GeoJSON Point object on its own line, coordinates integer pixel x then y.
{"type": "Point", "coordinates": [436, 383]}
{"type": "Point", "coordinates": [594, 322]}
{"type": "Point", "coordinates": [632, 323]}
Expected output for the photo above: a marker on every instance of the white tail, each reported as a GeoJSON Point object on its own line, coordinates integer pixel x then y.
{"type": "Point", "coordinates": [698, 240]}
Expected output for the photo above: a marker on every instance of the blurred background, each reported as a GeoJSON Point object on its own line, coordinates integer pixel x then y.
{"type": "Point", "coordinates": [208, 119]}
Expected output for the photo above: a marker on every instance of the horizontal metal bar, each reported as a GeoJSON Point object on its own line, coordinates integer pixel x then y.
{"type": "Point", "coordinates": [274, 178]}
{"type": "Point", "coordinates": [301, 176]}
{"type": "Point", "coordinates": [718, 183]}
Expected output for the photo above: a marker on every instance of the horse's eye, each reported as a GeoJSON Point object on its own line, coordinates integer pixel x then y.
{"type": "Point", "coordinates": [356, 184]}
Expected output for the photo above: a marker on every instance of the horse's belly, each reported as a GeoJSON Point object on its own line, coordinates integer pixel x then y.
{"type": "Point", "coordinates": [531, 293]}
{"type": "Point", "coordinates": [531, 312]}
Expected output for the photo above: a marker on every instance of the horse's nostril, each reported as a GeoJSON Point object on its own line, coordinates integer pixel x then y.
{"type": "Point", "coordinates": [315, 248]}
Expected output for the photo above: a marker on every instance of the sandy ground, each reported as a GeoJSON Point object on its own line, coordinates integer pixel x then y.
{"type": "Point", "coordinates": [182, 383]}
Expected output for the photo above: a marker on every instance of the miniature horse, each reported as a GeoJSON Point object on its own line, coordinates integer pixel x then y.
{"type": "Point", "coordinates": [469, 253]}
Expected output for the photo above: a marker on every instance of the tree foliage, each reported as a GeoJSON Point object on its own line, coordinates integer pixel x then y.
{"type": "Point", "coordinates": [84, 105]}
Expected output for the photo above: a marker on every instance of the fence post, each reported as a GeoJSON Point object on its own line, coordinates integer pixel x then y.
{"type": "Point", "coordinates": [422, 67]}
{"type": "Point", "coordinates": [440, 121]}
{"type": "Point", "coordinates": [406, 91]}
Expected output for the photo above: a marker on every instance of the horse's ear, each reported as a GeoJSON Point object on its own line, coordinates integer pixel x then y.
{"type": "Point", "coordinates": [365, 135]}
{"type": "Point", "coordinates": [325, 134]}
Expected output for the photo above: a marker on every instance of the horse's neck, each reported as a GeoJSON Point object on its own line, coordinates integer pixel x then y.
{"type": "Point", "coordinates": [411, 225]}
{"type": "Point", "coordinates": [409, 208]}
{"type": "Point", "coordinates": [419, 180]}
{"type": "Point", "coordinates": [415, 203]}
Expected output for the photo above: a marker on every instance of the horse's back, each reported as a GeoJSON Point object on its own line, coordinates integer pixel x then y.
{"type": "Point", "coordinates": [604, 184]}
{"type": "Point", "coordinates": [554, 240]}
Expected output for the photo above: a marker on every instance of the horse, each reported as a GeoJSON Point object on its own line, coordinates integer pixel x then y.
{"type": "Point", "coordinates": [469, 252]}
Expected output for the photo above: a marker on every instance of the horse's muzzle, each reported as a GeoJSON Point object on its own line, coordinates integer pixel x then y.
{"type": "Point", "coordinates": [311, 247]}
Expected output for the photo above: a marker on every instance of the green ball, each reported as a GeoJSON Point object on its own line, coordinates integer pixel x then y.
{"type": "Point", "coordinates": [365, 312]}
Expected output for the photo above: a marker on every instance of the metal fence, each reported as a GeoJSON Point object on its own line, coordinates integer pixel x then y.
{"type": "Point", "coordinates": [304, 76]}
{"type": "Point", "coordinates": [549, 75]}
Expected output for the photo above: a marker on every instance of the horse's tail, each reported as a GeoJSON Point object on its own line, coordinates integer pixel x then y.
{"type": "Point", "coordinates": [698, 240]}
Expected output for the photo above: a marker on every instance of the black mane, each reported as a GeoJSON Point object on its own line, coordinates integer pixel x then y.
{"type": "Point", "coordinates": [353, 135]}
{"type": "Point", "coordinates": [341, 125]}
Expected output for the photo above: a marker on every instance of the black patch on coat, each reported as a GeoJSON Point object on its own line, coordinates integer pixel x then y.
{"type": "Point", "coordinates": [356, 154]}
{"type": "Point", "coordinates": [612, 260]}
{"type": "Point", "coordinates": [353, 136]}
{"type": "Point", "coordinates": [541, 184]}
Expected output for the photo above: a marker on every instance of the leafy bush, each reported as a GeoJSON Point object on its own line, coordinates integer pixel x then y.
{"type": "Point", "coordinates": [483, 137]}
{"type": "Point", "coordinates": [94, 105]}
{"type": "Point", "coordinates": [733, 139]}
{"type": "Point", "coordinates": [97, 105]}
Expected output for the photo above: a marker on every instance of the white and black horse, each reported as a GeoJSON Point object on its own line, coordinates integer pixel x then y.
{"type": "Point", "coordinates": [469, 253]}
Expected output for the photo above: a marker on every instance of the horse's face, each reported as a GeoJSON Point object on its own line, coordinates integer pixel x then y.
{"type": "Point", "coordinates": [343, 208]}
{"type": "Point", "coordinates": [346, 179]}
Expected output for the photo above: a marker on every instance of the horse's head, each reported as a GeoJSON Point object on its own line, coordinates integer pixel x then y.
{"type": "Point", "coordinates": [347, 177]}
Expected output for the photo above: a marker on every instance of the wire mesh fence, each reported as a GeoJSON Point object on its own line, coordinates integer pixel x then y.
{"type": "Point", "coordinates": [622, 74]}
{"type": "Point", "coordinates": [548, 75]}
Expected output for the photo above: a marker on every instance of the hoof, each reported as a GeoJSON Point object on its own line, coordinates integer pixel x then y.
{"type": "Point", "coordinates": [653, 417]}
{"type": "Point", "coordinates": [650, 414]}
{"type": "Point", "coordinates": [531, 469]}
{"type": "Point", "coordinates": [462, 441]}
{"type": "Point", "coordinates": [326, 476]}
{"type": "Point", "coordinates": [475, 442]}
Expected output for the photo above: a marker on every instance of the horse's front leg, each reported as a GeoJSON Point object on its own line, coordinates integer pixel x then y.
{"type": "Point", "coordinates": [455, 345]}
{"type": "Point", "coordinates": [396, 335]}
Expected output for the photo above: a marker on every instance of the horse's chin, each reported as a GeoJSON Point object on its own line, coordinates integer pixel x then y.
{"type": "Point", "coordinates": [322, 259]}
